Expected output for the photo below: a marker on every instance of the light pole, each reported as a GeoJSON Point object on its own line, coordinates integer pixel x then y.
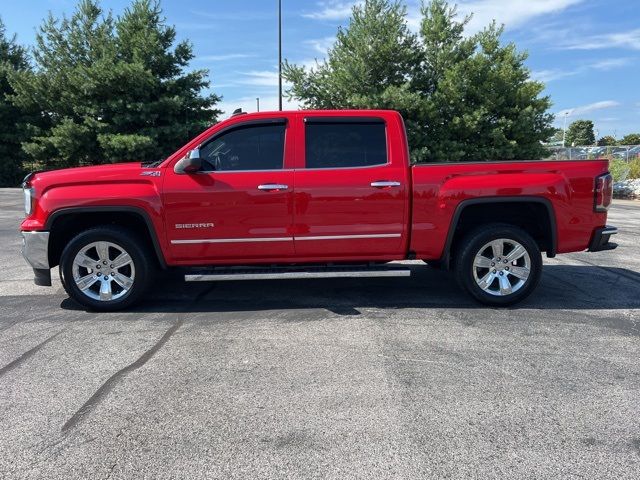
{"type": "Point", "coordinates": [280, 54]}
{"type": "Point", "coordinates": [258, 103]}
{"type": "Point", "coordinates": [564, 128]}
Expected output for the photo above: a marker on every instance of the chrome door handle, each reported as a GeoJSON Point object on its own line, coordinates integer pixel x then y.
{"type": "Point", "coordinates": [268, 187]}
{"type": "Point", "coordinates": [384, 183]}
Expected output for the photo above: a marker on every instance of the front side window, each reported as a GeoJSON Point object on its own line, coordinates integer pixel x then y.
{"type": "Point", "coordinates": [345, 144]}
{"type": "Point", "coordinates": [252, 147]}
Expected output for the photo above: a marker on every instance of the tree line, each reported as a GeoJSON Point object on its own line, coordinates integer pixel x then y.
{"type": "Point", "coordinates": [582, 133]}
{"type": "Point", "coordinates": [100, 88]}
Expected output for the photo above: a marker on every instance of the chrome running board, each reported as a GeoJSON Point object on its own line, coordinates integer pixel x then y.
{"type": "Point", "coordinates": [288, 273]}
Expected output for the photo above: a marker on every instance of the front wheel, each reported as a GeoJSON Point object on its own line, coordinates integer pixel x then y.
{"type": "Point", "coordinates": [105, 268]}
{"type": "Point", "coordinates": [498, 265]}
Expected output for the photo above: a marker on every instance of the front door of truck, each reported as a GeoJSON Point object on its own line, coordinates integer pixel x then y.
{"type": "Point", "coordinates": [239, 206]}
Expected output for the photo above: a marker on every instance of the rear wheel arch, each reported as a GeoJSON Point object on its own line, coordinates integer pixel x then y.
{"type": "Point", "coordinates": [66, 223]}
{"type": "Point", "coordinates": [533, 214]}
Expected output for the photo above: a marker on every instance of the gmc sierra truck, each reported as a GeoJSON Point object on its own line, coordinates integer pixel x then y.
{"type": "Point", "coordinates": [309, 194]}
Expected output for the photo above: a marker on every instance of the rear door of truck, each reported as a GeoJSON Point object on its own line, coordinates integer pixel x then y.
{"type": "Point", "coordinates": [351, 186]}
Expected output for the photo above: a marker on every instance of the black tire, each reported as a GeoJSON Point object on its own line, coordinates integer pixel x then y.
{"type": "Point", "coordinates": [141, 263]}
{"type": "Point", "coordinates": [475, 243]}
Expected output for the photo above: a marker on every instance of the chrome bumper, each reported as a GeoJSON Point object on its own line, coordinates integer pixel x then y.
{"type": "Point", "coordinates": [35, 250]}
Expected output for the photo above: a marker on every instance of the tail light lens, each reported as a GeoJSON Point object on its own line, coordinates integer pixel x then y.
{"type": "Point", "coordinates": [603, 192]}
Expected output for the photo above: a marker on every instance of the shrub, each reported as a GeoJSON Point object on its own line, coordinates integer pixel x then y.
{"type": "Point", "coordinates": [634, 168]}
{"type": "Point", "coordinates": [619, 168]}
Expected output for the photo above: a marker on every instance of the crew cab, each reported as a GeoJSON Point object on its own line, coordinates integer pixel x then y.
{"type": "Point", "coordinates": [309, 194]}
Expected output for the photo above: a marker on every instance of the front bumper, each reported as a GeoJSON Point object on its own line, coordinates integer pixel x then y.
{"type": "Point", "coordinates": [35, 250]}
{"type": "Point", "coordinates": [600, 240]}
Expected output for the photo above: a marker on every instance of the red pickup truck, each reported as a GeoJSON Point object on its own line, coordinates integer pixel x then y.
{"type": "Point", "coordinates": [309, 194]}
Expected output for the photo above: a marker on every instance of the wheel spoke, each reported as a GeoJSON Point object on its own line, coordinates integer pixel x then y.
{"type": "Point", "coordinates": [123, 281]}
{"type": "Point", "coordinates": [105, 290]}
{"type": "Point", "coordinates": [516, 253]}
{"type": "Point", "coordinates": [85, 261]}
{"type": "Point", "coordinates": [103, 251]}
{"type": "Point", "coordinates": [521, 272]}
{"type": "Point", "coordinates": [121, 260]}
{"type": "Point", "coordinates": [486, 281]}
{"type": "Point", "coordinates": [482, 262]}
{"type": "Point", "coordinates": [86, 281]}
{"type": "Point", "coordinates": [505, 285]}
{"type": "Point", "coordinates": [497, 248]}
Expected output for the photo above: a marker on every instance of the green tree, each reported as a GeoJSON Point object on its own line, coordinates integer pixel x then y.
{"type": "Point", "coordinates": [463, 98]}
{"type": "Point", "coordinates": [368, 65]}
{"type": "Point", "coordinates": [580, 132]}
{"type": "Point", "coordinates": [607, 141]}
{"type": "Point", "coordinates": [556, 136]}
{"type": "Point", "coordinates": [631, 139]}
{"type": "Point", "coordinates": [112, 89]}
{"type": "Point", "coordinates": [13, 58]}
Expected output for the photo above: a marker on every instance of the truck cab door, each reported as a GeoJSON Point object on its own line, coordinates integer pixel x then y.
{"type": "Point", "coordinates": [239, 206]}
{"type": "Point", "coordinates": [351, 199]}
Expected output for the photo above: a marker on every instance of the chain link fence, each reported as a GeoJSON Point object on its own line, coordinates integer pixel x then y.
{"type": "Point", "coordinates": [624, 152]}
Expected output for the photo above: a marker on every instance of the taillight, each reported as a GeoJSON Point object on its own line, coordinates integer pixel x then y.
{"type": "Point", "coordinates": [603, 192]}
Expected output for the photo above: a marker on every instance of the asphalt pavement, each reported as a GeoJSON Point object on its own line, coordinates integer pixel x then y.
{"type": "Point", "coordinates": [329, 379]}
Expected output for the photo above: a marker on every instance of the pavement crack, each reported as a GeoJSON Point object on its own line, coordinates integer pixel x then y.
{"type": "Point", "coordinates": [26, 355]}
{"type": "Point", "coordinates": [107, 386]}
{"type": "Point", "coordinates": [111, 470]}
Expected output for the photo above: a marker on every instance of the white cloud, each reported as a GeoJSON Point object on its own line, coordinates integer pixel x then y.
{"type": "Point", "coordinates": [260, 78]}
{"type": "Point", "coordinates": [249, 104]}
{"type": "Point", "coordinates": [332, 10]}
{"type": "Point", "coordinates": [321, 45]}
{"type": "Point", "coordinates": [601, 65]}
{"type": "Point", "coordinates": [552, 74]}
{"type": "Point", "coordinates": [610, 63]}
{"type": "Point", "coordinates": [222, 58]}
{"type": "Point", "coordinates": [630, 39]}
{"type": "Point", "coordinates": [581, 110]}
{"type": "Point", "coordinates": [511, 13]}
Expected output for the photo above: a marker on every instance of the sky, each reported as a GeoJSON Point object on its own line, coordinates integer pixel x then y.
{"type": "Point", "coordinates": [586, 51]}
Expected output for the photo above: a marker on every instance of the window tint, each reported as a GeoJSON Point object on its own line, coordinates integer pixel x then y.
{"type": "Point", "coordinates": [254, 147]}
{"type": "Point", "coordinates": [346, 144]}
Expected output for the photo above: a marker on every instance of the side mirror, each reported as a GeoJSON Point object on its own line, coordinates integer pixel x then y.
{"type": "Point", "coordinates": [191, 163]}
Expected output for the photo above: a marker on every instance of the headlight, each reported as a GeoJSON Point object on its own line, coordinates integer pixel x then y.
{"type": "Point", "coordinates": [28, 200]}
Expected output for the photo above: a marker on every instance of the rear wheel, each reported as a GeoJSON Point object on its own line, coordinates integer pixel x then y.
{"type": "Point", "coordinates": [105, 268]}
{"type": "Point", "coordinates": [498, 264]}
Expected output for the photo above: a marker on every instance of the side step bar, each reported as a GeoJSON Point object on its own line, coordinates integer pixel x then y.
{"type": "Point", "coordinates": [281, 273]}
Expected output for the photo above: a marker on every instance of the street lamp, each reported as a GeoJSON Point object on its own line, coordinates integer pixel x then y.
{"type": "Point", "coordinates": [564, 128]}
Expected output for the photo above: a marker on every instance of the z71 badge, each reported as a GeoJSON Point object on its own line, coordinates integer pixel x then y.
{"type": "Point", "coordinates": [194, 225]}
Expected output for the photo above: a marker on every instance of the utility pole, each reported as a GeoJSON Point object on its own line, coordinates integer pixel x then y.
{"type": "Point", "coordinates": [280, 54]}
{"type": "Point", "coordinates": [258, 103]}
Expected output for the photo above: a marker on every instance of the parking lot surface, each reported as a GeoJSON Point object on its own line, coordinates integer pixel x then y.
{"type": "Point", "coordinates": [347, 378]}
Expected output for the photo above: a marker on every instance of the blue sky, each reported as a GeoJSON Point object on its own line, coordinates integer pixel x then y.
{"type": "Point", "coordinates": [587, 51]}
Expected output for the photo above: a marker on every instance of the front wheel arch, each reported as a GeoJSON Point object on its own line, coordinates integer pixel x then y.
{"type": "Point", "coordinates": [66, 223]}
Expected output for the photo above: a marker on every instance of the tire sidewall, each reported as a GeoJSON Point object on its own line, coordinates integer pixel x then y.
{"type": "Point", "coordinates": [120, 237]}
{"type": "Point", "coordinates": [479, 238]}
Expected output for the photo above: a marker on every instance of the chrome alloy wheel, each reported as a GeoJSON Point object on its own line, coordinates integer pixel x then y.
{"type": "Point", "coordinates": [103, 271]}
{"type": "Point", "coordinates": [501, 267]}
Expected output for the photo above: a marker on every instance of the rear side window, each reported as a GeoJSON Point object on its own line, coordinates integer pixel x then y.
{"type": "Point", "coordinates": [253, 147]}
{"type": "Point", "coordinates": [345, 144]}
